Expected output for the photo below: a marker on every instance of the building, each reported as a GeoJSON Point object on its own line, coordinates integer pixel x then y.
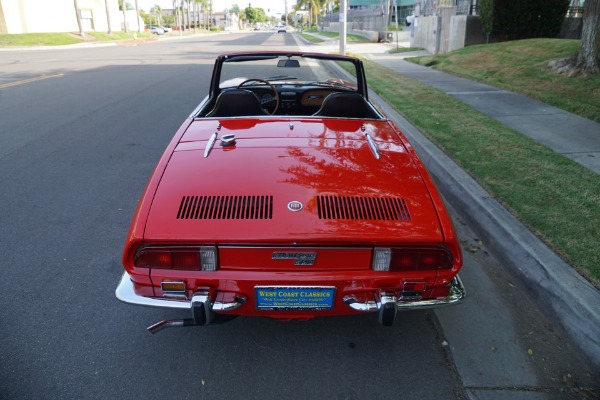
{"type": "Point", "coordinates": [404, 7]}
{"type": "Point", "coordinates": [39, 16]}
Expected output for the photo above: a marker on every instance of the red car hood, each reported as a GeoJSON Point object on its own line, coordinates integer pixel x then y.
{"type": "Point", "coordinates": [240, 194]}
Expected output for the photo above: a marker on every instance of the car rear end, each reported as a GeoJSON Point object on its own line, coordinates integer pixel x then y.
{"type": "Point", "coordinates": [299, 220]}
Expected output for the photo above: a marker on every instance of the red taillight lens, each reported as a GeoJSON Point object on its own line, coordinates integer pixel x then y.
{"type": "Point", "coordinates": [414, 259]}
{"type": "Point", "coordinates": [184, 258]}
{"type": "Point", "coordinates": [420, 259]}
{"type": "Point", "coordinates": [154, 258]}
{"type": "Point", "coordinates": [188, 260]}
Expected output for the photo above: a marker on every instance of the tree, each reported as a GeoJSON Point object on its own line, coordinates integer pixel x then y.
{"type": "Point", "coordinates": [137, 13]}
{"type": "Point", "coordinates": [587, 59]}
{"type": "Point", "coordinates": [254, 15]}
{"type": "Point", "coordinates": [157, 10]}
{"type": "Point", "coordinates": [189, 14]}
{"type": "Point", "coordinates": [236, 10]}
{"type": "Point", "coordinates": [78, 15]}
{"type": "Point", "coordinates": [124, 8]}
{"type": "Point", "coordinates": [518, 19]}
{"type": "Point", "coordinates": [314, 7]}
{"type": "Point", "coordinates": [108, 17]}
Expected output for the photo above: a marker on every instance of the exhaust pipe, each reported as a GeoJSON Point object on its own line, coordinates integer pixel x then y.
{"type": "Point", "coordinates": [202, 314]}
{"type": "Point", "coordinates": [171, 323]}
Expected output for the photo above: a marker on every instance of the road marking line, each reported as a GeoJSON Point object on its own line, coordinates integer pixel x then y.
{"type": "Point", "coordinates": [37, 78]}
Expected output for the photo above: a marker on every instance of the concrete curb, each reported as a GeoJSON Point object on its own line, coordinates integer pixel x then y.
{"type": "Point", "coordinates": [565, 297]}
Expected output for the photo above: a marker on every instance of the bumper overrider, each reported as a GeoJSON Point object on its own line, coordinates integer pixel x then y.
{"type": "Point", "coordinates": [204, 304]}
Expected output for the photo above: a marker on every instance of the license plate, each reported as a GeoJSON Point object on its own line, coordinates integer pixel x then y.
{"type": "Point", "coordinates": [294, 298]}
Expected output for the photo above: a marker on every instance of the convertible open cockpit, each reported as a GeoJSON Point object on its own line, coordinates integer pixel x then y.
{"type": "Point", "coordinates": [315, 87]}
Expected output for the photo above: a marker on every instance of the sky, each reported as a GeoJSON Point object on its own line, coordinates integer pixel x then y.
{"type": "Point", "coordinates": [275, 6]}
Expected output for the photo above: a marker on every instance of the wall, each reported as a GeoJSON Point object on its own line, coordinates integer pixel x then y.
{"type": "Point", "coordinates": [465, 30]}
{"type": "Point", "coordinates": [426, 33]}
{"type": "Point", "coordinates": [38, 16]}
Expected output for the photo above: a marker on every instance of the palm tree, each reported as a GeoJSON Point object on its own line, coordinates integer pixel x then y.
{"type": "Point", "coordinates": [176, 18]}
{"type": "Point", "coordinates": [124, 7]}
{"type": "Point", "coordinates": [202, 7]}
{"type": "Point", "coordinates": [196, 10]}
{"type": "Point", "coordinates": [313, 6]}
{"type": "Point", "coordinates": [158, 11]}
{"type": "Point", "coordinates": [189, 15]}
{"type": "Point", "coordinates": [137, 13]}
{"type": "Point", "coordinates": [108, 17]}
{"type": "Point", "coordinates": [78, 15]}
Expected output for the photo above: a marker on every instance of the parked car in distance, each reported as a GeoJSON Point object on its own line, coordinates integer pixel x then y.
{"type": "Point", "coordinates": [155, 30]}
{"type": "Point", "coordinates": [288, 194]}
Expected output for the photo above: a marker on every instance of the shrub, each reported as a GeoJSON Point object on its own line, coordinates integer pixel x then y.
{"type": "Point", "coordinates": [518, 19]}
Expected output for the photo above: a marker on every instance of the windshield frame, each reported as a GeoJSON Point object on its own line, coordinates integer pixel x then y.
{"type": "Point", "coordinates": [361, 86]}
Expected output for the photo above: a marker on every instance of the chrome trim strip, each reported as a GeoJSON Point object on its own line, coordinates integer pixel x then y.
{"type": "Point", "coordinates": [126, 294]}
{"type": "Point", "coordinates": [210, 144]}
{"type": "Point", "coordinates": [372, 145]}
{"type": "Point", "coordinates": [294, 247]}
{"type": "Point", "coordinates": [457, 294]}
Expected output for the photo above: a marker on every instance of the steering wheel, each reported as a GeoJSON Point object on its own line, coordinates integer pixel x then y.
{"type": "Point", "coordinates": [276, 95]}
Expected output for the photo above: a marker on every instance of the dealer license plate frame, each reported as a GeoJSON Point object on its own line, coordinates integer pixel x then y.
{"type": "Point", "coordinates": [275, 301]}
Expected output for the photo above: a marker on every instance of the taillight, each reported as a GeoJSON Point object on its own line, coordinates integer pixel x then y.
{"type": "Point", "coordinates": [203, 258]}
{"type": "Point", "coordinates": [411, 259]}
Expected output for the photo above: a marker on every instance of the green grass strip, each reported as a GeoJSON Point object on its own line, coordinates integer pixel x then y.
{"type": "Point", "coordinates": [349, 37]}
{"type": "Point", "coordinates": [555, 197]}
{"type": "Point", "coordinates": [405, 50]}
{"type": "Point", "coordinates": [521, 66]}
{"type": "Point", "coordinates": [38, 39]}
{"type": "Point", "coordinates": [60, 39]}
{"type": "Point", "coordinates": [311, 38]}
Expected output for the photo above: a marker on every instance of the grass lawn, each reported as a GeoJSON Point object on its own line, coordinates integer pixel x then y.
{"type": "Point", "coordinates": [404, 49]}
{"type": "Point", "coordinates": [349, 37]}
{"type": "Point", "coordinates": [520, 66]}
{"type": "Point", "coordinates": [59, 39]}
{"type": "Point", "coordinates": [38, 39]}
{"type": "Point", "coordinates": [311, 38]}
{"type": "Point", "coordinates": [555, 197]}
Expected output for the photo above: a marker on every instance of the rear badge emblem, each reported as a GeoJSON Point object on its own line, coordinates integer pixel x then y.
{"type": "Point", "coordinates": [300, 258]}
{"type": "Point", "coordinates": [295, 206]}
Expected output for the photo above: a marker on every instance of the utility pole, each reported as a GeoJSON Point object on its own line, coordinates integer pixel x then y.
{"type": "Point", "coordinates": [396, 8]}
{"type": "Point", "coordinates": [343, 12]}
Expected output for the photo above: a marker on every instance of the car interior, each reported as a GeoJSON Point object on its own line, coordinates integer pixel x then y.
{"type": "Point", "coordinates": [289, 100]}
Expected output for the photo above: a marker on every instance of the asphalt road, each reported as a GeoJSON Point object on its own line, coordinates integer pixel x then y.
{"type": "Point", "coordinates": [80, 132]}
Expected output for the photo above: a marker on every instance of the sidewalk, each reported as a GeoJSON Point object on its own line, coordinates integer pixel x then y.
{"type": "Point", "coordinates": [566, 298]}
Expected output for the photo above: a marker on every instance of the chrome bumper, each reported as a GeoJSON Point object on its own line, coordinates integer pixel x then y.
{"type": "Point", "coordinates": [126, 294]}
{"type": "Point", "coordinates": [203, 304]}
{"type": "Point", "coordinates": [457, 294]}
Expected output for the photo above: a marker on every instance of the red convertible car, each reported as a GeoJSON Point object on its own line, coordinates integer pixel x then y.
{"type": "Point", "coordinates": [288, 194]}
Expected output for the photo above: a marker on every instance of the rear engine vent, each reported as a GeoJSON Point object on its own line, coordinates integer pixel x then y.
{"type": "Point", "coordinates": [380, 208]}
{"type": "Point", "coordinates": [226, 207]}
